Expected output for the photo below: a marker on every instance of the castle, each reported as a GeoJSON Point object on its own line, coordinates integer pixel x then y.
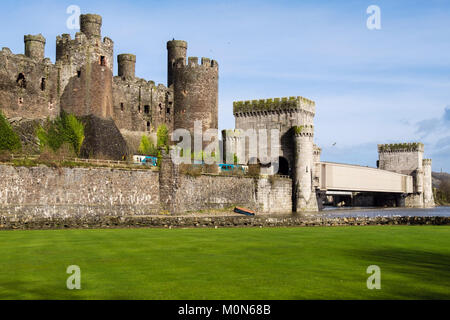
{"type": "Point", "coordinates": [118, 110]}
{"type": "Point", "coordinates": [81, 82]}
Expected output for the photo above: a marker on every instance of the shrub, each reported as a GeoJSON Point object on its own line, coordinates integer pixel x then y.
{"type": "Point", "coordinates": [5, 156]}
{"type": "Point", "coordinates": [162, 135]}
{"type": "Point", "coordinates": [9, 140]}
{"type": "Point", "coordinates": [190, 169]}
{"type": "Point", "coordinates": [146, 147]}
{"type": "Point", "coordinates": [66, 129]}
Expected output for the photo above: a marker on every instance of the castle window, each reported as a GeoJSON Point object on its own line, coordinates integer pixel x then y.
{"type": "Point", "coordinates": [148, 125]}
{"type": "Point", "coordinates": [121, 106]}
{"type": "Point", "coordinates": [139, 108]}
{"type": "Point", "coordinates": [21, 82]}
{"type": "Point", "coordinates": [43, 84]}
{"type": "Point", "coordinates": [20, 101]}
{"type": "Point", "coordinates": [147, 109]}
{"type": "Point", "coordinates": [168, 110]}
{"type": "Point", "coordinates": [160, 108]}
{"type": "Point", "coordinates": [79, 73]}
{"type": "Point", "coordinates": [102, 61]}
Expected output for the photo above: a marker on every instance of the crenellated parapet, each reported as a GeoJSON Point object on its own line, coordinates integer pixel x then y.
{"type": "Point", "coordinates": [230, 134]}
{"type": "Point", "coordinates": [193, 63]}
{"type": "Point", "coordinates": [401, 147]}
{"type": "Point", "coordinates": [317, 151]}
{"type": "Point", "coordinates": [304, 131]}
{"type": "Point", "coordinates": [274, 104]}
{"type": "Point", "coordinates": [426, 162]}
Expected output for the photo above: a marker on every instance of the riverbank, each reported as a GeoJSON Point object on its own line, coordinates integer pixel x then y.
{"type": "Point", "coordinates": [218, 221]}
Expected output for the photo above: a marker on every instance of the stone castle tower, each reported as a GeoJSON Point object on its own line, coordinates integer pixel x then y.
{"type": "Point", "coordinates": [195, 86]}
{"type": "Point", "coordinates": [297, 154]}
{"type": "Point", "coordinates": [407, 158]}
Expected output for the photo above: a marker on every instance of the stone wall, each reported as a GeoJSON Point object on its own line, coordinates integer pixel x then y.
{"type": "Point", "coordinates": [210, 222]}
{"type": "Point", "coordinates": [28, 87]}
{"type": "Point", "coordinates": [274, 195]}
{"type": "Point", "coordinates": [265, 195]}
{"type": "Point", "coordinates": [43, 192]}
{"type": "Point", "coordinates": [140, 105]}
{"type": "Point", "coordinates": [214, 192]}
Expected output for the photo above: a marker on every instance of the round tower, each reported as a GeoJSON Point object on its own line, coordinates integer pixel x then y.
{"type": "Point", "coordinates": [91, 25]}
{"type": "Point", "coordinates": [127, 65]}
{"type": "Point", "coordinates": [196, 89]}
{"type": "Point", "coordinates": [428, 199]}
{"type": "Point", "coordinates": [176, 49]}
{"type": "Point", "coordinates": [34, 46]}
{"type": "Point", "coordinates": [305, 197]}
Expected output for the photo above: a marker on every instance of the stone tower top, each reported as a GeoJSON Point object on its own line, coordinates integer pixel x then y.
{"type": "Point", "coordinates": [176, 49]}
{"type": "Point", "coordinates": [91, 25]}
{"type": "Point", "coordinates": [127, 65]}
{"type": "Point", "coordinates": [176, 44]}
{"type": "Point", "coordinates": [276, 104]}
{"type": "Point", "coordinates": [34, 46]}
{"type": "Point", "coordinates": [401, 147]}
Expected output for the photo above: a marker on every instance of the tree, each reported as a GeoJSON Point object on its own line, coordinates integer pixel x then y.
{"type": "Point", "coordinates": [146, 147]}
{"type": "Point", "coordinates": [162, 135]}
{"type": "Point", "coordinates": [9, 140]}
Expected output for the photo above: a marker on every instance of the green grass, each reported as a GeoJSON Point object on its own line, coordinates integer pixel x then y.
{"type": "Point", "coordinates": [234, 263]}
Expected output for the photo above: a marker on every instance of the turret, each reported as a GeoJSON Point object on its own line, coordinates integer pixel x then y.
{"type": "Point", "coordinates": [195, 89]}
{"type": "Point", "coordinates": [91, 25]}
{"type": "Point", "coordinates": [127, 65]}
{"type": "Point", "coordinates": [428, 199]}
{"type": "Point", "coordinates": [305, 197]}
{"type": "Point", "coordinates": [176, 49]}
{"type": "Point", "coordinates": [34, 46]}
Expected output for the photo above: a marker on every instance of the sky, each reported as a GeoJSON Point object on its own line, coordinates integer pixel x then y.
{"type": "Point", "coordinates": [370, 86]}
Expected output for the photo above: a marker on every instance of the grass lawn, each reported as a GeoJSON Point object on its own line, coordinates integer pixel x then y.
{"type": "Point", "coordinates": [234, 263]}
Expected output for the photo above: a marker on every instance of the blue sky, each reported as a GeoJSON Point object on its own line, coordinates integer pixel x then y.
{"type": "Point", "coordinates": [370, 86]}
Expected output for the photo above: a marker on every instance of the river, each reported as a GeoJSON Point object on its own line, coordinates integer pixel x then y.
{"type": "Point", "coordinates": [384, 212]}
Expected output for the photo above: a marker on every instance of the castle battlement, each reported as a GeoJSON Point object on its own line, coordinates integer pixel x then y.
{"type": "Point", "coordinates": [274, 104]}
{"type": "Point", "coordinates": [193, 63]}
{"type": "Point", "coordinates": [304, 131]}
{"type": "Point", "coordinates": [426, 162]}
{"type": "Point", "coordinates": [317, 151]}
{"type": "Point", "coordinates": [81, 38]}
{"type": "Point", "coordinates": [400, 147]}
{"type": "Point", "coordinates": [230, 134]}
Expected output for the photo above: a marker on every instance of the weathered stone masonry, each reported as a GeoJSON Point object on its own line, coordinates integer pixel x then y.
{"type": "Point", "coordinates": [35, 193]}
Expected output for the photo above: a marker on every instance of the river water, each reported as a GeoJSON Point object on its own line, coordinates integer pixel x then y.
{"type": "Point", "coordinates": [384, 212]}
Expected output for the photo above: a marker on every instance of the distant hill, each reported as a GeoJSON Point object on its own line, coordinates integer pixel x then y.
{"type": "Point", "coordinates": [438, 177]}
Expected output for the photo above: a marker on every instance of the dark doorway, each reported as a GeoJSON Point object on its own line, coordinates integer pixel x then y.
{"type": "Point", "coordinates": [283, 168]}
{"type": "Point", "coordinates": [21, 80]}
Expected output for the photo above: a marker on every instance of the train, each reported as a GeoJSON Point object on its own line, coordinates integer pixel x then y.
{"type": "Point", "coordinates": [153, 161]}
